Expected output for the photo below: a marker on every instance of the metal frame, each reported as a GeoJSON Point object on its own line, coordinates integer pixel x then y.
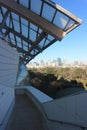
{"type": "Point", "coordinates": [47, 27]}
{"type": "Point", "coordinates": [33, 18]}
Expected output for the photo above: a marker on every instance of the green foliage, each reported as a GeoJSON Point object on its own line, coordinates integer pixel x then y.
{"type": "Point", "coordinates": [52, 81]}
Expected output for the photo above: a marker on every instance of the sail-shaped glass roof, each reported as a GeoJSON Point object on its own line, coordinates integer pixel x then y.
{"type": "Point", "coordinates": [31, 26]}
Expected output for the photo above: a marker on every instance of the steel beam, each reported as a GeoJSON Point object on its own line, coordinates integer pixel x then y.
{"type": "Point", "coordinates": [42, 50]}
{"type": "Point", "coordinates": [21, 36]}
{"type": "Point", "coordinates": [38, 40]}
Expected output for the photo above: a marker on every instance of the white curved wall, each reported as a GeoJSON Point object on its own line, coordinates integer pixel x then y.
{"type": "Point", "coordinates": [9, 60]}
{"type": "Point", "coordinates": [68, 112]}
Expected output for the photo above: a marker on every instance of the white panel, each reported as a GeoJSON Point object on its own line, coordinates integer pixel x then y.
{"type": "Point", "coordinates": [7, 73]}
{"type": "Point", "coordinates": [72, 109]}
{"type": "Point", "coordinates": [8, 64]}
{"type": "Point", "coordinates": [5, 101]}
{"type": "Point", "coordinates": [6, 53]}
{"type": "Point", "coordinates": [6, 47]}
{"type": "Point", "coordinates": [6, 60]}
{"type": "Point", "coordinates": [9, 59]}
{"type": "Point", "coordinates": [40, 96]}
{"type": "Point", "coordinates": [8, 67]}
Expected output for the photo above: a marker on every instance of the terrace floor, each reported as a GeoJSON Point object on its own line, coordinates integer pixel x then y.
{"type": "Point", "coordinates": [25, 116]}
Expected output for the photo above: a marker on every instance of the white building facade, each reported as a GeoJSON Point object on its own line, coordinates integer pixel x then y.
{"type": "Point", "coordinates": [9, 60]}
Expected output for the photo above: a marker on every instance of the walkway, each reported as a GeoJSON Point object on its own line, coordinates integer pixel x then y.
{"type": "Point", "coordinates": [25, 116]}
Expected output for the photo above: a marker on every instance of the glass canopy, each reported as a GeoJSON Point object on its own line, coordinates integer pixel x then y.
{"type": "Point", "coordinates": [31, 26]}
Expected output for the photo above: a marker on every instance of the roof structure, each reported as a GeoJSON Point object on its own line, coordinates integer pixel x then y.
{"type": "Point", "coordinates": [31, 26]}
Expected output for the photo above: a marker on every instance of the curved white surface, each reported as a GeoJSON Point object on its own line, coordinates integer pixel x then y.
{"type": "Point", "coordinates": [39, 95]}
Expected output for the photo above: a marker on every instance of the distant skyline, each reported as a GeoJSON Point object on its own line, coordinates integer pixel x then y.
{"type": "Point", "coordinates": [67, 61]}
{"type": "Point", "coordinates": [56, 63]}
{"type": "Point", "coordinates": [74, 45]}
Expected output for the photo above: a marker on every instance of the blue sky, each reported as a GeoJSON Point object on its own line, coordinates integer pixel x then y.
{"type": "Point", "coordinates": [74, 45]}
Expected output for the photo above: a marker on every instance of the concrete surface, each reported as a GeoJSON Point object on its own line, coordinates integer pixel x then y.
{"type": "Point", "coordinates": [25, 116]}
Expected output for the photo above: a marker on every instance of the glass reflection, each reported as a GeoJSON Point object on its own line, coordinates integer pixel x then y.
{"type": "Point", "coordinates": [4, 10]}
{"type": "Point", "coordinates": [15, 16]}
{"type": "Point", "coordinates": [71, 23]}
{"type": "Point", "coordinates": [22, 78]}
{"type": "Point", "coordinates": [24, 22]}
{"type": "Point", "coordinates": [24, 2]}
{"type": "Point", "coordinates": [48, 12]}
{"type": "Point", "coordinates": [16, 26]}
{"type": "Point", "coordinates": [60, 20]}
{"type": "Point", "coordinates": [25, 31]}
{"type": "Point", "coordinates": [42, 43]}
{"type": "Point", "coordinates": [32, 35]}
{"type": "Point", "coordinates": [33, 27]}
{"type": "Point", "coordinates": [36, 6]}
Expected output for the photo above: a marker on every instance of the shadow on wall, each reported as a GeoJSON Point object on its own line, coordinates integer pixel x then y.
{"type": "Point", "coordinates": [54, 87]}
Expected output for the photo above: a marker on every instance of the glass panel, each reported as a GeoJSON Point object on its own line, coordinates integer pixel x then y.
{"type": "Point", "coordinates": [40, 30]}
{"type": "Point", "coordinates": [12, 41]}
{"type": "Point", "coordinates": [24, 22]}
{"type": "Point", "coordinates": [1, 18]}
{"type": "Point", "coordinates": [48, 12]}
{"type": "Point", "coordinates": [25, 48]}
{"type": "Point", "coordinates": [70, 24]}
{"type": "Point", "coordinates": [16, 26]}
{"type": "Point", "coordinates": [36, 6]}
{"type": "Point", "coordinates": [18, 39]}
{"type": "Point", "coordinates": [24, 2]}
{"type": "Point", "coordinates": [46, 43]}
{"type": "Point", "coordinates": [42, 43]}
{"type": "Point", "coordinates": [50, 37]}
{"type": "Point", "coordinates": [3, 30]}
{"type": "Point", "coordinates": [32, 35]}
{"type": "Point", "coordinates": [18, 42]}
{"type": "Point", "coordinates": [36, 50]}
{"type": "Point", "coordinates": [15, 16]}
{"type": "Point", "coordinates": [25, 31]}
{"type": "Point", "coordinates": [32, 52]}
{"type": "Point", "coordinates": [7, 21]}
{"type": "Point", "coordinates": [60, 20]}
{"type": "Point", "coordinates": [33, 27]}
{"type": "Point", "coordinates": [25, 43]}
{"type": "Point", "coordinates": [10, 24]}
{"type": "Point", "coordinates": [11, 36]}
{"type": "Point", "coordinates": [4, 10]}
